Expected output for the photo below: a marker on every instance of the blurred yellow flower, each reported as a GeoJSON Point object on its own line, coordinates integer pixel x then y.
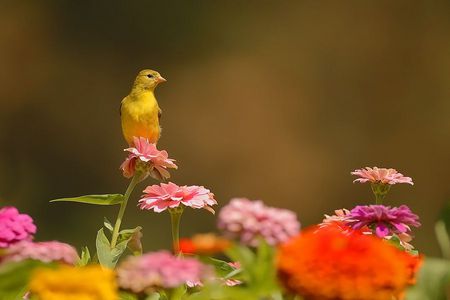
{"type": "Point", "coordinates": [70, 283]}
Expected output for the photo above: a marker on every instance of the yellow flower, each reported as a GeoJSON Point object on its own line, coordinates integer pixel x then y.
{"type": "Point", "coordinates": [70, 283]}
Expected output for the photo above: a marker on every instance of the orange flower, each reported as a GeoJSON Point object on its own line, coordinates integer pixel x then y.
{"type": "Point", "coordinates": [414, 264]}
{"type": "Point", "coordinates": [329, 264]}
{"type": "Point", "coordinates": [206, 244]}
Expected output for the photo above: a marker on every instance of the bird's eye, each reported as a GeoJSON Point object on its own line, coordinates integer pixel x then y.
{"type": "Point", "coordinates": [150, 76]}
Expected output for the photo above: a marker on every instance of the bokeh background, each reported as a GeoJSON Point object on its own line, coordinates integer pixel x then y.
{"type": "Point", "coordinates": [272, 100]}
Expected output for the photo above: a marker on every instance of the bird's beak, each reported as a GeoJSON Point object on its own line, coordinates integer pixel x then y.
{"type": "Point", "coordinates": [160, 79]}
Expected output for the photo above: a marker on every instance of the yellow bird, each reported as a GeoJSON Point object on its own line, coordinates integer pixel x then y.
{"type": "Point", "coordinates": [139, 110]}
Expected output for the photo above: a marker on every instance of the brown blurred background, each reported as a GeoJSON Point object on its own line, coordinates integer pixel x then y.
{"type": "Point", "coordinates": [271, 100]}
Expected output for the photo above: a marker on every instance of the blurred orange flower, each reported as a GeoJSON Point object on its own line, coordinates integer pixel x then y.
{"type": "Point", "coordinates": [329, 264]}
{"type": "Point", "coordinates": [205, 244]}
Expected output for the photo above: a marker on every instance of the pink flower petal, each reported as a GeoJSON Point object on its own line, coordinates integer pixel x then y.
{"type": "Point", "coordinates": [166, 195]}
{"type": "Point", "coordinates": [149, 154]}
{"type": "Point", "coordinates": [380, 175]}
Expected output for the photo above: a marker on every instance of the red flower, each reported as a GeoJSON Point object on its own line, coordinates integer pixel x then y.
{"type": "Point", "coordinates": [329, 264]}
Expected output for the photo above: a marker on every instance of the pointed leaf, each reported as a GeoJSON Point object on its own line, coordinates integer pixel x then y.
{"type": "Point", "coordinates": [108, 224]}
{"type": "Point", "coordinates": [130, 238]}
{"type": "Point", "coordinates": [105, 257]}
{"type": "Point", "coordinates": [118, 250]}
{"type": "Point", "coordinates": [222, 268]}
{"type": "Point", "coordinates": [108, 199]}
{"type": "Point", "coordinates": [85, 257]}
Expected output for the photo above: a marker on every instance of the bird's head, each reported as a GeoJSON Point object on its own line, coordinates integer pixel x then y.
{"type": "Point", "coordinates": [148, 80]}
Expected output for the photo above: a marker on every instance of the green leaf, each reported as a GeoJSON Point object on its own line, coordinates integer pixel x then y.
{"type": "Point", "coordinates": [14, 278]}
{"type": "Point", "coordinates": [108, 199]}
{"type": "Point", "coordinates": [223, 269]}
{"type": "Point", "coordinates": [264, 270]}
{"type": "Point", "coordinates": [109, 257]}
{"type": "Point", "coordinates": [118, 250]}
{"type": "Point", "coordinates": [433, 281]}
{"type": "Point", "coordinates": [108, 224]}
{"type": "Point", "coordinates": [258, 269]}
{"type": "Point", "coordinates": [85, 257]}
{"type": "Point", "coordinates": [104, 253]}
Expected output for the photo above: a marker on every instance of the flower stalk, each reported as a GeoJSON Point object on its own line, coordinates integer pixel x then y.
{"type": "Point", "coordinates": [380, 191]}
{"type": "Point", "coordinates": [115, 234]}
{"type": "Point", "coordinates": [175, 218]}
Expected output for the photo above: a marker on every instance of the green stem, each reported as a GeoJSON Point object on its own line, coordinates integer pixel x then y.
{"type": "Point", "coordinates": [175, 217]}
{"type": "Point", "coordinates": [115, 235]}
{"type": "Point", "coordinates": [380, 191]}
{"type": "Point", "coordinates": [378, 199]}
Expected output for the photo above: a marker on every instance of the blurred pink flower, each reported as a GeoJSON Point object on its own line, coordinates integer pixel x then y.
{"type": "Point", "coordinates": [143, 151]}
{"type": "Point", "coordinates": [52, 251]}
{"type": "Point", "coordinates": [15, 227]}
{"type": "Point", "coordinates": [380, 175]}
{"type": "Point", "coordinates": [161, 269]}
{"type": "Point", "coordinates": [250, 220]}
{"type": "Point", "coordinates": [169, 195]}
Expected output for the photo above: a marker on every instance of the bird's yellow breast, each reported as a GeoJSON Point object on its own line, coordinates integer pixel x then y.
{"type": "Point", "coordinates": [139, 114]}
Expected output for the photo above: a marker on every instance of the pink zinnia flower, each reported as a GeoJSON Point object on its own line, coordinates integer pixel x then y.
{"type": "Point", "coordinates": [15, 227]}
{"type": "Point", "coordinates": [339, 219]}
{"type": "Point", "coordinates": [340, 215]}
{"type": "Point", "coordinates": [250, 220]}
{"type": "Point", "coordinates": [52, 251]}
{"type": "Point", "coordinates": [157, 270]}
{"type": "Point", "coordinates": [169, 195]}
{"type": "Point", "coordinates": [384, 220]}
{"type": "Point", "coordinates": [381, 175]}
{"type": "Point", "coordinates": [145, 152]}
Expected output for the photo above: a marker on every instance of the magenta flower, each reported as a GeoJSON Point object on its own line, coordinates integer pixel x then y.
{"type": "Point", "coordinates": [169, 195]}
{"type": "Point", "coordinates": [157, 270]}
{"type": "Point", "coordinates": [380, 175]}
{"type": "Point", "coordinates": [52, 251]}
{"type": "Point", "coordinates": [249, 221]}
{"type": "Point", "coordinates": [155, 162]}
{"type": "Point", "coordinates": [15, 227]}
{"type": "Point", "coordinates": [384, 220]}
